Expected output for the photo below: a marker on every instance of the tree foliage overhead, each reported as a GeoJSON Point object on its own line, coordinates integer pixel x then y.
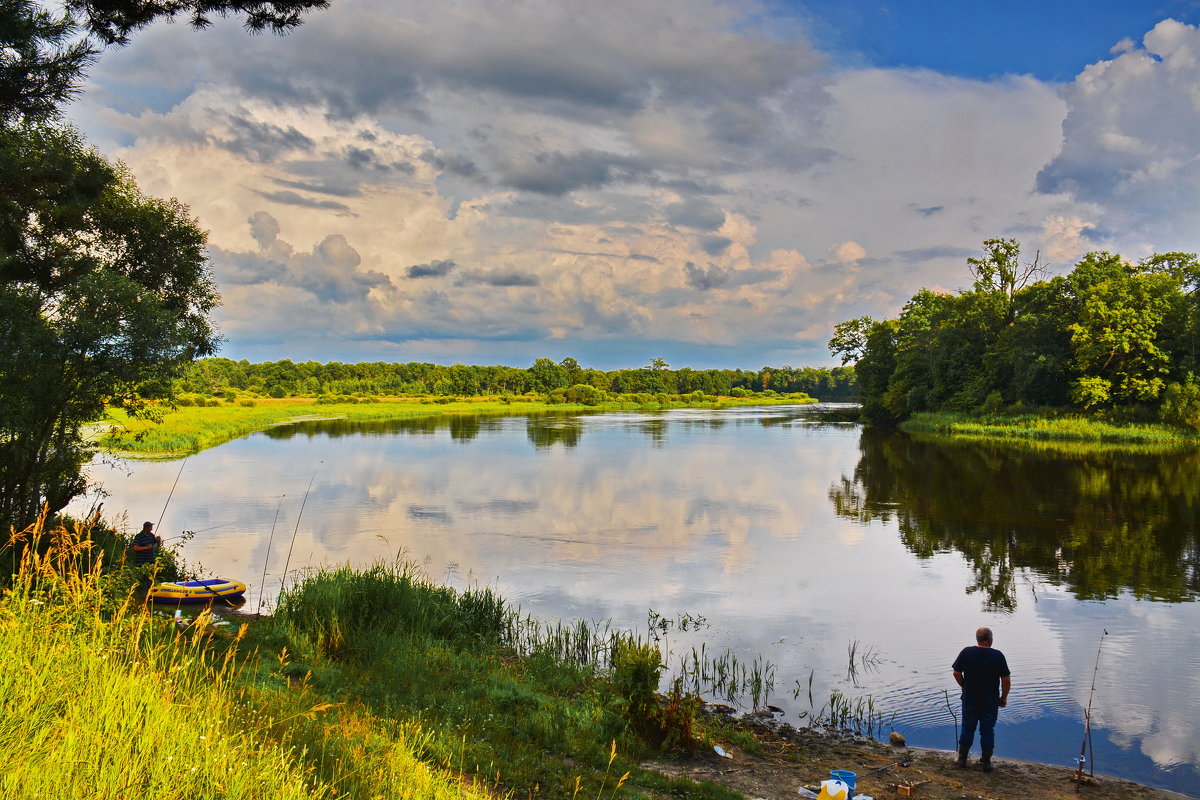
{"type": "Point", "coordinates": [1109, 336]}
{"type": "Point", "coordinates": [42, 60]}
{"type": "Point", "coordinates": [45, 47]}
{"type": "Point", "coordinates": [113, 20]}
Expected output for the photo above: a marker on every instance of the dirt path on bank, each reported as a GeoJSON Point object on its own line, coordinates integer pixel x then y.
{"type": "Point", "coordinates": [789, 758]}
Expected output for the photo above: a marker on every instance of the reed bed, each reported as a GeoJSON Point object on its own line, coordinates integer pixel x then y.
{"type": "Point", "coordinates": [1036, 428]}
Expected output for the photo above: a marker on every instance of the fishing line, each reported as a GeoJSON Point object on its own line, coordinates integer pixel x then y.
{"type": "Point", "coordinates": [283, 581]}
{"type": "Point", "coordinates": [202, 530]}
{"type": "Point", "coordinates": [171, 493]}
{"type": "Point", "coordinates": [263, 585]}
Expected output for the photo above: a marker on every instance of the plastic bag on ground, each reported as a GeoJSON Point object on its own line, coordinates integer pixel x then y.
{"type": "Point", "coordinates": [834, 790]}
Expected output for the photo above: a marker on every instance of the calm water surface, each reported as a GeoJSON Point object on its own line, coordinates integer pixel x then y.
{"type": "Point", "coordinates": [792, 536]}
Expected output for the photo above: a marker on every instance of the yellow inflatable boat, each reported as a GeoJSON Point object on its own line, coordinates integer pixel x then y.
{"type": "Point", "coordinates": [205, 591]}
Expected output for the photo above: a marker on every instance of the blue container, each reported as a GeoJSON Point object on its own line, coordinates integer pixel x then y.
{"type": "Point", "coordinates": [845, 776]}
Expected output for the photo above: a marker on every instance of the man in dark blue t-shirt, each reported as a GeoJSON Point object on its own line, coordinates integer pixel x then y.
{"type": "Point", "coordinates": [982, 672]}
{"type": "Point", "coordinates": [145, 545]}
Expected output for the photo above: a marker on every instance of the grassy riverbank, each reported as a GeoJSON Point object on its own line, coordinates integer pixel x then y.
{"type": "Point", "coordinates": [378, 683]}
{"type": "Point", "coordinates": [1046, 429]}
{"type": "Point", "coordinates": [189, 429]}
{"type": "Point", "coordinates": [364, 683]}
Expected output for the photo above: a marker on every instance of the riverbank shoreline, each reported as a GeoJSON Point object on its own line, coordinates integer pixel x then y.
{"type": "Point", "coordinates": [186, 430]}
{"type": "Point", "coordinates": [783, 758]}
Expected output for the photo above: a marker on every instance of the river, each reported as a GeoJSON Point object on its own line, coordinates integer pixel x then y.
{"type": "Point", "coordinates": [793, 537]}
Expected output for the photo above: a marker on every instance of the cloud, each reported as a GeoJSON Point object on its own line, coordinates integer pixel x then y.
{"type": "Point", "coordinates": [464, 181]}
{"type": "Point", "coordinates": [434, 269]}
{"type": "Point", "coordinates": [703, 279]}
{"type": "Point", "coordinates": [293, 199]}
{"type": "Point", "coordinates": [930, 253]}
{"type": "Point", "coordinates": [849, 251]}
{"type": "Point", "coordinates": [320, 188]}
{"type": "Point", "coordinates": [559, 173]}
{"type": "Point", "coordinates": [261, 141]}
{"type": "Point", "coordinates": [330, 272]}
{"type": "Point", "coordinates": [696, 212]}
{"type": "Point", "coordinates": [499, 278]}
{"type": "Point", "coordinates": [1130, 139]}
{"type": "Point", "coordinates": [715, 245]}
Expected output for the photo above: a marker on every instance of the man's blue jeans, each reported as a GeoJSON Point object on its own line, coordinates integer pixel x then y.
{"type": "Point", "coordinates": [985, 719]}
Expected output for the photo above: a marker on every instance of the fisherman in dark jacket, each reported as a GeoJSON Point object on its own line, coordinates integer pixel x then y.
{"type": "Point", "coordinates": [982, 672]}
{"type": "Point", "coordinates": [145, 545]}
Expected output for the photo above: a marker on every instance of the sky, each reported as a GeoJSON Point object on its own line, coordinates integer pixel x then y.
{"type": "Point", "coordinates": [712, 182]}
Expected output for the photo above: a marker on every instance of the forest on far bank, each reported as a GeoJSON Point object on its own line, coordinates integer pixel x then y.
{"type": "Point", "coordinates": [217, 376]}
{"type": "Point", "coordinates": [1111, 339]}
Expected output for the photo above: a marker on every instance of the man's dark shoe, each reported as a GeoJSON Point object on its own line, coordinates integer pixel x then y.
{"type": "Point", "coordinates": [985, 763]}
{"type": "Point", "coordinates": [962, 755]}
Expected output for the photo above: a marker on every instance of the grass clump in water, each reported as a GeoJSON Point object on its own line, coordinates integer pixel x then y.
{"type": "Point", "coordinates": [1042, 428]}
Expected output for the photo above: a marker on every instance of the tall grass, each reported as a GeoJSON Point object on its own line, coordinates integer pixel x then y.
{"type": "Point", "coordinates": [364, 684]}
{"type": "Point", "coordinates": [105, 700]}
{"type": "Point", "coordinates": [1043, 429]}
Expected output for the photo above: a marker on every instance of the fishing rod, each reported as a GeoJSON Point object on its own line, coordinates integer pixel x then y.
{"type": "Point", "coordinates": [263, 585]}
{"type": "Point", "coordinates": [283, 580]}
{"type": "Point", "coordinates": [171, 493]}
{"type": "Point", "coordinates": [950, 708]}
{"type": "Point", "coordinates": [1086, 745]}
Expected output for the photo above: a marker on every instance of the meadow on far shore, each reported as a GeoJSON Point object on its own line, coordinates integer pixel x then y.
{"type": "Point", "coordinates": [193, 425]}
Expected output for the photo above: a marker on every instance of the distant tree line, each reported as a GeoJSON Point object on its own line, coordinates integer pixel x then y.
{"type": "Point", "coordinates": [1111, 337]}
{"type": "Point", "coordinates": [213, 376]}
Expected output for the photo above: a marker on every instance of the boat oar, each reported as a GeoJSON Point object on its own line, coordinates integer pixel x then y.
{"type": "Point", "coordinates": [223, 597]}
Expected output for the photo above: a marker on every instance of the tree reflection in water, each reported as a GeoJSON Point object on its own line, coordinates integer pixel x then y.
{"type": "Point", "coordinates": [1096, 521]}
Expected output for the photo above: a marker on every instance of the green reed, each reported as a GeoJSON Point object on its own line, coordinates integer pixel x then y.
{"type": "Point", "coordinates": [1033, 429]}
{"type": "Point", "coordinates": [725, 677]}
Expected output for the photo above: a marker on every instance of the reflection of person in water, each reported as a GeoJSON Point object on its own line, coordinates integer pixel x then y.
{"type": "Point", "coordinates": [145, 545]}
{"type": "Point", "coordinates": [982, 672]}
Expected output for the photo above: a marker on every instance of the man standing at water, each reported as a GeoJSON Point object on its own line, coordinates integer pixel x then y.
{"type": "Point", "coordinates": [982, 672]}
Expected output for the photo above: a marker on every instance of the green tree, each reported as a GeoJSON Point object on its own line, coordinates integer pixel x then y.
{"type": "Point", "coordinates": [105, 297]}
{"type": "Point", "coordinates": [849, 340]}
{"type": "Point", "coordinates": [1000, 273]}
{"type": "Point", "coordinates": [546, 376]}
{"type": "Point", "coordinates": [1117, 357]}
